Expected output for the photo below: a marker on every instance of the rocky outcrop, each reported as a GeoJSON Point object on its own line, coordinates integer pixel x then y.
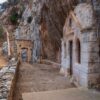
{"type": "Point", "coordinates": [29, 27]}
{"type": "Point", "coordinates": [12, 2]}
{"type": "Point", "coordinates": [53, 15]}
{"type": "Point", "coordinates": [46, 38]}
{"type": "Point", "coordinates": [42, 22]}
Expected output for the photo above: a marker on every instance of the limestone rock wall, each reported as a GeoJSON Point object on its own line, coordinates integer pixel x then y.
{"type": "Point", "coordinates": [53, 14]}
{"type": "Point", "coordinates": [30, 30]}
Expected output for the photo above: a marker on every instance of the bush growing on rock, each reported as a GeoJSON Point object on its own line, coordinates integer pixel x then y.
{"type": "Point", "coordinates": [14, 17]}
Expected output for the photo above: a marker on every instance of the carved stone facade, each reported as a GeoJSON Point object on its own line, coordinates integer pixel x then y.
{"type": "Point", "coordinates": [80, 47]}
{"type": "Point", "coordinates": [24, 50]}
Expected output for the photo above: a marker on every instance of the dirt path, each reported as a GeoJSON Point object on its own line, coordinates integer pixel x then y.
{"type": "Point", "coordinates": [35, 78]}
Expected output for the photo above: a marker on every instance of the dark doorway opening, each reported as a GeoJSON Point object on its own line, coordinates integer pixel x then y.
{"type": "Point", "coordinates": [78, 51]}
{"type": "Point", "coordinates": [71, 56]}
{"type": "Point", "coordinates": [24, 55]}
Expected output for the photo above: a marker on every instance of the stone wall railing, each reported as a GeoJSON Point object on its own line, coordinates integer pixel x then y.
{"type": "Point", "coordinates": [8, 80]}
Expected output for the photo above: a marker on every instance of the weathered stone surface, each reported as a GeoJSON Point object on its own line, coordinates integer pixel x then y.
{"type": "Point", "coordinates": [83, 12]}
{"type": "Point", "coordinates": [86, 71]}
{"type": "Point", "coordinates": [7, 80]}
{"type": "Point", "coordinates": [53, 14]}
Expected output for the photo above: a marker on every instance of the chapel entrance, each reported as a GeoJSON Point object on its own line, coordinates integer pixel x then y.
{"type": "Point", "coordinates": [71, 56]}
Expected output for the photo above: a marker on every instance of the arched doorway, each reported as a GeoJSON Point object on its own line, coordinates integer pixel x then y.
{"type": "Point", "coordinates": [24, 54]}
{"type": "Point", "coordinates": [71, 56]}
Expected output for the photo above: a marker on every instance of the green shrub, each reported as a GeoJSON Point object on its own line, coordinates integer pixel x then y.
{"type": "Point", "coordinates": [14, 15]}
{"type": "Point", "coordinates": [14, 18]}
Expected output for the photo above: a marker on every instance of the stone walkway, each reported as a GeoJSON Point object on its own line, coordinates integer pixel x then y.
{"type": "Point", "coordinates": [67, 94]}
{"type": "Point", "coordinates": [36, 78]}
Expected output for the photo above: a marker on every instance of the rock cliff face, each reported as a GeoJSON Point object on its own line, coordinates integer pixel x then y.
{"type": "Point", "coordinates": [42, 22]}
{"type": "Point", "coordinates": [54, 13]}
{"type": "Point", "coordinates": [13, 1]}
{"type": "Point", "coordinates": [29, 27]}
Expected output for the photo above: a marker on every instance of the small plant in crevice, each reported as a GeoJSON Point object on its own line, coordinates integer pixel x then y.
{"type": "Point", "coordinates": [14, 16]}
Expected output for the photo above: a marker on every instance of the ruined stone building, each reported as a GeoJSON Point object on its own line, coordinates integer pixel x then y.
{"type": "Point", "coordinates": [81, 44]}
{"type": "Point", "coordinates": [24, 50]}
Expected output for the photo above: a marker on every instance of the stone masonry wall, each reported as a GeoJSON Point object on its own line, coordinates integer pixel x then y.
{"type": "Point", "coordinates": [84, 14]}
{"type": "Point", "coordinates": [94, 49]}
{"type": "Point", "coordinates": [86, 73]}
{"type": "Point", "coordinates": [7, 80]}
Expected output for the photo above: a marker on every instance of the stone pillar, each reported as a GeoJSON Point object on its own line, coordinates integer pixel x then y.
{"type": "Point", "coordinates": [64, 61]}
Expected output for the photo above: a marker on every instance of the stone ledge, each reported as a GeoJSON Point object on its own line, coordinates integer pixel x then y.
{"type": "Point", "coordinates": [7, 80]}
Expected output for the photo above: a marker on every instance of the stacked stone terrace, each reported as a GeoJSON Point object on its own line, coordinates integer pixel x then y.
{"type": "Point", "coordinates": [7, 80]}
